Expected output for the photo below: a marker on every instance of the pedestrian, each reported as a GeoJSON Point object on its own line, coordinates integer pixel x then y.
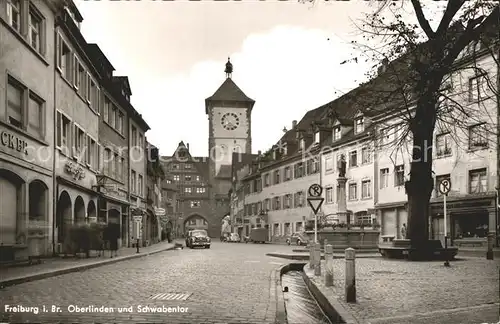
{"type": "Point", "coordinates": [403, 231]}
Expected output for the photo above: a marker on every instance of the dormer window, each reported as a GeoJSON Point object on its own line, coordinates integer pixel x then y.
{"type": "Point", "coordinates": [336, 133]}
{"type": "Point", "coordinates": [302, 144]}
{"type": "Point", "coordinates": [316, 137]}
{"type": "Point", "coordinates": [285, 149]}
{"type": "Point", "coordinates": [360, 125]}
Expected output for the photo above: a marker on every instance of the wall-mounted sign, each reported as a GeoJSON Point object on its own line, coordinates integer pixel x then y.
{"type": "Point", "coordinates": [114, 190]}
{"type": "Point", "coordinates": [75, 170]}
{"type": "Point", "coordinates": [13, 142]}
{"type": "Point", "coordinates": [160, 211]}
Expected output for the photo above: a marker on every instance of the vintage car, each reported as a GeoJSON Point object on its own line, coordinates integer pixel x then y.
{"type": "Point", "coordinates": [233, 237]}
{"type": "Point", "coordinates": [187, 238]}
{"type": "Point", "coordinates": [198, 238]}
{"type": "Point", "coordinates": [298, 238]}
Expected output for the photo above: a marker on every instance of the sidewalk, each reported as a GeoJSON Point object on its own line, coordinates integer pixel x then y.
{"type": "Point", "coordinates": [305, 256]}
{"type": "Point", "coordinates": [401, 292]}
{"type": "Point", "coordinates": [57, 266]}
{"type": "Point", "coordinates": [479, 252]}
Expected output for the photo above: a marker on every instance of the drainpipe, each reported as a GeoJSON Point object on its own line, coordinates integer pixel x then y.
{"type": "Point", "coordinates": [127, 226]}
{"type": "Point", "coordinates": [496, 243]}
{"type": "Point", "coordinates": [55, 185]}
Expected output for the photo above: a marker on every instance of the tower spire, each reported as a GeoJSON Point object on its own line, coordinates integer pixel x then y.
{"type": "Point", "coordinates": [229, 68]}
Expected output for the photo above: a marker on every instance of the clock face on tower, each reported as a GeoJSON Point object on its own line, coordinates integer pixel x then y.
{"type": "Point", "coordinates": [230, 121]}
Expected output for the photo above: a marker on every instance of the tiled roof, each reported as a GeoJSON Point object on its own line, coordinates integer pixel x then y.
{"type": "Point", "coordinates": [122, 82]}
{"type": "Point", "coordinates": [98, 56]}
{"type": "Point", "coordinates": [229, 91]}
{"type": "Point", "coordinates": [240, 160]}
{"type": "Point", "coordinates": [350, 136]}
{"type": "Point", "coordinates": [371, 98]}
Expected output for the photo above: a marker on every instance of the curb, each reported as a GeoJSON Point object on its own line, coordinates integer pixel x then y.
{"type": "Point", "coordinates": [76, 268]}
{"type": "Point", "coordinates": [334, 310]}
{"type": "Point", "coordinates": [300, 257]}
{"type": "Point", "coordinates": [281, 317]}
{"type": "Point", "coordinates": [477, 254]}
{"type": "Point", "coordinates": [341, 251]}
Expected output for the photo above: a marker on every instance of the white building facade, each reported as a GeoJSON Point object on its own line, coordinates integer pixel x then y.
{"type": "Point", "coordinates": [464, 152]}
{"type": "Point", "coordinates": [377, 151]}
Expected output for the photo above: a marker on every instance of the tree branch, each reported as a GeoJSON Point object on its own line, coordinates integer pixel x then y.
{"type": "Point", "coordinates": [424, 23]}
{"type": "Point", "coordinates": [474, 29]}
{"type": "Point", "coordinates": [452, 8]}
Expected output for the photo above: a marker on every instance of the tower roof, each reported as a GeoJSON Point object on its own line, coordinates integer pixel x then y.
{"type": "Point", "coordinates": [229, 91]}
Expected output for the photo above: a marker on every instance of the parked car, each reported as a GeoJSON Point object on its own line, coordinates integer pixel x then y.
{"type": "Point", "coordinates": [187, 238]}
{"type": "Point", "coordinates": [198, 238]}
{"type": "Point", "coordinates": [298, 238]}
{"type": "Point", "coordinates": [233, 237]}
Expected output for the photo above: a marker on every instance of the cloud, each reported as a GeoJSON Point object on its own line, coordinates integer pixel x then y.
{"type": "Point", "coordinates": [288, 71]}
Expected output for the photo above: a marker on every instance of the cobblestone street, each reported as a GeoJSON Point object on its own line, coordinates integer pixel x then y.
{"type": "Point", "coordinates": [401, 292]}
{"type": "Point", "coordinates": [229, 283]}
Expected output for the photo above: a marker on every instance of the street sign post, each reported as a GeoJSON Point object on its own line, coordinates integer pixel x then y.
{"type": "Point", "coordinates": [444, 189]}
{"type": "Point", "coordinates": [315, 201]}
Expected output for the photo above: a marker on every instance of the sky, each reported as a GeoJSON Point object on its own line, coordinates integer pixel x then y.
{"type": "Point", "coordinates": [286, 56]}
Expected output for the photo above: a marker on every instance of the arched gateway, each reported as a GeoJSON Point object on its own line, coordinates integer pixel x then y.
{"type": "Point", "coordinates": [195, 221]}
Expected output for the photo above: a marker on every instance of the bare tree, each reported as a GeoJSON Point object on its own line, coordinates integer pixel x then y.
{"type": "Point", "coordinates": [413, 83]}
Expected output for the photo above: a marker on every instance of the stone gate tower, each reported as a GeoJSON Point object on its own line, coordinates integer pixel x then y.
{"type": "Point", "coordinates": [229, 113]}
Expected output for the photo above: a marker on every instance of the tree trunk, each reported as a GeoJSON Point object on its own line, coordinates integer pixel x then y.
{"type": "Point", "coordinates": [419, 187]}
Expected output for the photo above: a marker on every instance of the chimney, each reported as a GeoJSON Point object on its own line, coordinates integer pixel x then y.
{"type": "Point", "coordinates": [294, 124]}
{"type": "Point", "coordinates": [187, 145]}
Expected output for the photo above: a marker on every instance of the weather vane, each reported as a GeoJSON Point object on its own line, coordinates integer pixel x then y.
{"type": "Point", "coordinates": [229, 68]}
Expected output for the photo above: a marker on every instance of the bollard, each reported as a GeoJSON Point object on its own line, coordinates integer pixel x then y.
{"type": "Point", "coordinates": [328, 265]}
{"type": "Point", "coordinates": [311, 256]}
{"type": "Point", "coordinates": [317, 259]}
{"type": "Point", "coordinates": [350, 275]}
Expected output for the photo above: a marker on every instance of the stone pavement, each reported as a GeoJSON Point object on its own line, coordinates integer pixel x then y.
{"type": "Point", "coordinates": [228, 283]}
{"type": "Point", "coordinates": [305, 256]}
{"type": "Point", "coordinates": [401, 292]}
{"type": "Point", "coordinates": [55, 266]}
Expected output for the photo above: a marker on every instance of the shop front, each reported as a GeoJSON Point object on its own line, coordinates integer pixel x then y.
{"type": "Point", "coordinates": [469, 219]}
{"type": "Point", "coordinates": [114, 209]}
{"type": "Point", "coordinates": [150, 228]}
{"type": "Point", "coordinates": [391, 217]}
{"type": "Point", "coordinates": [138, 220]}
{"type": "Point", "coordinates": [26, 191]}
{"type": "Point", "coordinates": [76, 204]}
